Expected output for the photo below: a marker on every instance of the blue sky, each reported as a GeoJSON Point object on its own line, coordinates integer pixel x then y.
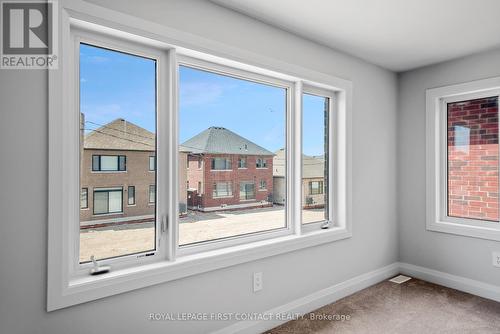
{"type": "Point", "coordinates": [116, 85]}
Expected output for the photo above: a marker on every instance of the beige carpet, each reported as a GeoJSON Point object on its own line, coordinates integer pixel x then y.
{"type": "Point", "coordinates": [412, 307]}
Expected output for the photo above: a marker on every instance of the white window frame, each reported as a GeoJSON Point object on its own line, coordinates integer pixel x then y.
{"type": "Point", "coordinates": [335, 202]}
{"type": "Point", "coordinates": [437, 159]}
{"type": "Point", "coordinates": [68, 282]}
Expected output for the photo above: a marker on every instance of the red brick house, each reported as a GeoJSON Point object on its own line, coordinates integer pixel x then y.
{"type": "Point", "coordinates": [226, 171]}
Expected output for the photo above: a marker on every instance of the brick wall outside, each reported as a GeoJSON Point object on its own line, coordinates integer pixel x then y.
{"type": "Point", "coordinates": [236, 175]}
{"type": "Point", "coordinates": [473, 159]}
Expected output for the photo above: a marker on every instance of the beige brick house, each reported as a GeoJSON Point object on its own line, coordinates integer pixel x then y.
{"type": "Point", "coordinates": [313, 180]}
{"type": "Point", "coordinates": [226, 171]}
{"type": "Point", "coordinates": [118, 175]}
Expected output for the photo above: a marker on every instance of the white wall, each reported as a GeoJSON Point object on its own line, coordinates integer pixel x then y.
{"type": "Point", "coordinates": [23, 208]}
{"type": "Point", "coordinates": [458, 255]}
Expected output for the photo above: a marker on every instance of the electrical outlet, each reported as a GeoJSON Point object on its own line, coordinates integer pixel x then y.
{"type": "Point", "coordinates": [496, 259]}
{"type": "Point", "coordinates": [257, 281]}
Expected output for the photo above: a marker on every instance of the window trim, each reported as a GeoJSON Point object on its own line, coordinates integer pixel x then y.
{"type": "Point", "coordinates": [65, 290]}
{"type": "Point", "coordinates": [437, 218]}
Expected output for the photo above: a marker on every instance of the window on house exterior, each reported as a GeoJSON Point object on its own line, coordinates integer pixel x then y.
{"type": "Point", "coordinates": [222, 189]}
{"type": "Point", "coordinates": [108, 163]}
{"type": "Point", "coordinates": [242, 162]}
{"type": "Point", "coordinates": [131, 195]}
{"type": "Point", "coordinates": [105, 80]}
{"type": "Point", "coordinates": [229, 136]}
{"type": "Point", "coordinates": [315, 148]}
{"type": "Point", "coordinates": [221, 163]}
{"type": "Point", "coordinates": [107, 201]}
{"type": "Point", "coordinates": [262, 185]}
{"type": "Point", "coordinates": [152, 193]}
{"type": "Point", "coordinates": [247, 190]}
{"type": "Point", "coordinates": [200, 162]}
{"type": "Point", "coordinates": [462, 154]}
{"type": "Point", "coordinates": [199, 187]}
{"type": "Point", "coordinates": [315, 187]}
{"type": "Point", "coordinates": [152, 163]}
{"type": "Point", "coordinates": [84, 200]}
{"type": "Point", "coordinates": [261, 163]}
{"type": "Point", "coordinates": [472, 159]}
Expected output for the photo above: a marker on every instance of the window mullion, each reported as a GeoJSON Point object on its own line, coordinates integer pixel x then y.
{"type": "Point", "coordinates": [294, 157]}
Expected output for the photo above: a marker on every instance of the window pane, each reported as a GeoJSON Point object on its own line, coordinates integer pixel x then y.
{"type": "Point", "coordinates": [314, 158]}
{"type": "Point", "coordinates": [84, 198]}
{"type": "Point", "coordinates": [152, 163]}
{"type": "Point", "coordinates": [115, 201]}
{"type": "Point", "coordinates": [100, 202]}
{"type": "Point", "coordinates": [109, 162]}
{"type": "Point", "coordinates": [118, 133]}
{"type": "Point", "coordinates": [473, 159]}
{"type": "Point", "coordinates": [231, 123]}
{"type": "Point", "coordinates": [131, 195]}
{"type": "Point", "coordinates": [152, 194]}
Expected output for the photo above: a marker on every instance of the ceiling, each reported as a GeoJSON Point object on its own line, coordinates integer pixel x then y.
{"type": "Point", "coordinates": [396, 34]}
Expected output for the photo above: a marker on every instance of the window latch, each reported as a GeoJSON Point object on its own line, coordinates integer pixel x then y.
{"type": "Point", "coordinates": [98, 269]}
{"type": "Point", "coordinates": [164, 223]}
{"type": "Point", "coordinates": [326, 225]}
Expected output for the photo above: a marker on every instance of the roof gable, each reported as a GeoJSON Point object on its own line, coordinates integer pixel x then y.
{"type": "Point", "coordinates": [120, 135]}
{"type": "Point", "coordinates": [219, 140]}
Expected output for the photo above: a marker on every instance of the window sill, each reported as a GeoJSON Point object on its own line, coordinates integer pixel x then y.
{"type": "Point", "coordinates": [490, 230]}
{"type": "Point", "coordinates": [88, 288]}
{"type": "Point", "coordinates": [221, 170]}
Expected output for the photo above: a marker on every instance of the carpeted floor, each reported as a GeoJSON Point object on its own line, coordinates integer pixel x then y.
{"type": "Point", "coordinates": [412, 307]}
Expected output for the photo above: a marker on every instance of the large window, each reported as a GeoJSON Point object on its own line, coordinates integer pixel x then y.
{"type": "Point", "coordinates": [232, 120]}
{"type": "Point", "coordinates": [463, 159]}
{"type": "Point", "coordinates": [115, 137]}
{"type": "Point", "coordinates": [129, 121]}
{"type": "Point", "coordinates": [222, 189]}
{"type": "Point", "coordinates": [108, 163]}
{"type": "Point", "coordinates": [221, 163]}
{"type": "Point", "coordinates": [108, 201]}
{"type": "Point", "coordinates": [315, 154]}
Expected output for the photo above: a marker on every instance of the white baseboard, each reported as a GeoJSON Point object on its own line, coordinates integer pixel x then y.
{"type": "Point", "coordinates": [471, 286]}
{"type": "Point", "coordinates": [314, 301]}
{"type": "Point", "coordinates": [335, 292]}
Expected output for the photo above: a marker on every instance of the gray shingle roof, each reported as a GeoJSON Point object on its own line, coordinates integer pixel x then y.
{"type": "Point", "coordinates": [120, 135]}
{"type": "Point", "coordinates": [222, 141]}
{"type": "Point", "coordinates": [312, 167]}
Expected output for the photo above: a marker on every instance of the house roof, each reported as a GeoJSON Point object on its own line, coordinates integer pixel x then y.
{"type": "Point", "coordinates": [120, 135]}
{"type": "Point", "coordinates": [220, 140]}
{"type": "Point", "coordinates": [312, 167]}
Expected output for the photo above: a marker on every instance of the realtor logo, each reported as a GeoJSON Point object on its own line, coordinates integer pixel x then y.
{"type": "Point", "coordinates": [28, 35]}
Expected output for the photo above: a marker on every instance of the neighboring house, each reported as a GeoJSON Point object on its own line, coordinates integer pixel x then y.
{"type": "Point", "coordinates": [313, 181]}
{"type": "Point", "coordinates": [118, 174]}
{"type": "Point", "coordinates": [226, 171]}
